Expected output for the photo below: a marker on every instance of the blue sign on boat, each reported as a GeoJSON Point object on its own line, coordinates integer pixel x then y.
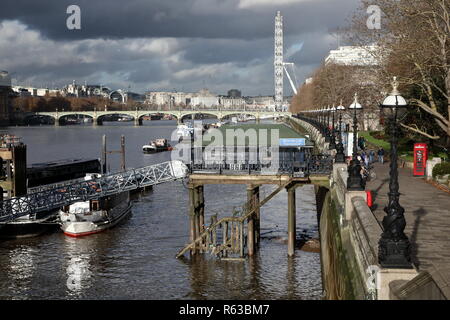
{"type": "Point", "coordinates": [292, 142]}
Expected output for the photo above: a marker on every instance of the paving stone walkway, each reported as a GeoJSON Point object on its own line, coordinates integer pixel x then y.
{"type": "Point", "coordinates": [427, 213]}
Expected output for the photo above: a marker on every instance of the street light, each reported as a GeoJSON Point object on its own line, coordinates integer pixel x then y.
{"type": "Point", "coordinates": [332, 144]}
{"type": "Point", "coordinates": [340, 155]}
{"type": "Point", "coordinates": [393, 247]}
{"type": "Point", "coordinates": [327, 124]}
{"type": "Point", "coordinates": [355, 182]}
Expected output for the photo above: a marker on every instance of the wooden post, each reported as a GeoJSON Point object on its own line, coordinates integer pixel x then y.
{"type": "Point", "coordinates": [225, 238]}
{"type": "Point", "coordinates": [192, 235]}
{"type": "Point", "coordinates": [122, 151]}
{"type": "Point", "coordinates": [241, 239]}
{"type": "Point", "coordinates": [257, 215]}
{"type": "Point", "coordinates": [250, 223]}
{"type": "Point", "coordinates": [201, 209]}
{"type": "Point", "coordinates": [104, 154]}
{"type": "Point", "coordinates": [291, 220]}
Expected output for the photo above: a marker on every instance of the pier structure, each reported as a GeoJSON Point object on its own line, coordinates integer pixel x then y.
{"type": "Point", "coordinates": [13, 166]}
{"type": "Point", "coordinates": [239, 235]}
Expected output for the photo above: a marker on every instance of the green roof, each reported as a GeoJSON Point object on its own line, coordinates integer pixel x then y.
{"type": "Point", "coordinates": [251, 134]}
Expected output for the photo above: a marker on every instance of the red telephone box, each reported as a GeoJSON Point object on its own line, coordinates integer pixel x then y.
{"type": "Point", "coordinates": [420, 159]}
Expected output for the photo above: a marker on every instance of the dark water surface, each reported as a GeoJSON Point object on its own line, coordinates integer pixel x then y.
{"type": "Point", "coordinates": [136, 260]}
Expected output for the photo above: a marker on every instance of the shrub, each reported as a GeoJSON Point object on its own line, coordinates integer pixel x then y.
{"type": "Point", "coordinates": [441, 169]}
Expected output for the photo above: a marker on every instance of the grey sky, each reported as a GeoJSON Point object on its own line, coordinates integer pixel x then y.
{"type": "Point", "coordinates": [165, 44]}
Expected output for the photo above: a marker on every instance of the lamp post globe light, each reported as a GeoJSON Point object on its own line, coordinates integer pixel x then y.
{"type": "Point", "coordinates": [393, 247]}
{"type": "Point", "coordinates": [332, 130]}
{"type": "Point", "coordinates": [340, 155]}
{"type": "Point", "coordinates": [355, 181]}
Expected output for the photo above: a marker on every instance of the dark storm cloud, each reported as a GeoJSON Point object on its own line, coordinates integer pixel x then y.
{"type": "Point", "coordinates": [165, 44]}
{"type": "Point", "coordinates": [174, 18]}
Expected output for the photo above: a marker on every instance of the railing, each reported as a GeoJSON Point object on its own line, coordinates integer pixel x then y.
{"type": "Point", "coordinates": [56, 196]}
{"type": "Point", "coordinates": [182, 109]}
{"type": "Point", "coordinates": [313, 164]}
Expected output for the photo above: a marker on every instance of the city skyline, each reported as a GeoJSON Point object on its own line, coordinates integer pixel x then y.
{"type": "Point", "coordinates": [187, 45]}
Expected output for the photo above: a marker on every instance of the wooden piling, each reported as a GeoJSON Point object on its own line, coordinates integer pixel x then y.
{"type": "Point", "coordinates": [201, 207]}
{"type": "Point", "coordinates": [257, 215]}
{"type": "Point", "coordinates": [192, 216]}
{"type": "Point", "coordinates": [251, 222]}
{"type": "Point", "coordinates": [225, 237]}
{"type": "Point", "coordinates": [291, 220]}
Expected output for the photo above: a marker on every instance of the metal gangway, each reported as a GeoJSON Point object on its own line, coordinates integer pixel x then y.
{"type": "Point", "coordinates": [54, 196]}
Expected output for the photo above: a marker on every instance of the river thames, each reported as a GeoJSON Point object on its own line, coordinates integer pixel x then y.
{"type": "Point", "coordinates": [136, 260]}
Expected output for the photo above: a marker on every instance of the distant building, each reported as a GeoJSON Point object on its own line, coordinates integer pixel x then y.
{"type": "Point", "coordinates": [204, 98]}
{"type": "Point", "coordinates": [353, 56]}
{"type": "Point", "coordinates": [5, 97]}
{"type": "Point", "coordinates": [230, 102]}
{"type": "Point", "coordinates": [162, 98]}
{"type": "Point", "coordinates": [261, 102]}
{"type": "Point", "coordinates": [86, 90]}
{"type": "Point", "coordinates": [234, 93]}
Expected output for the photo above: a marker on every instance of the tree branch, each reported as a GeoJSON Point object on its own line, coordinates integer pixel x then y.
{"type": "Point", "coordinates": [420, 132]}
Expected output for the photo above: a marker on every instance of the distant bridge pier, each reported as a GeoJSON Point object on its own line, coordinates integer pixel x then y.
{"type": "Point", "coordinates": [138, 122]}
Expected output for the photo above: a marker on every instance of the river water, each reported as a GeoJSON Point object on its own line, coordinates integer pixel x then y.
{"type": "Point", "coordinates": [136, 260]}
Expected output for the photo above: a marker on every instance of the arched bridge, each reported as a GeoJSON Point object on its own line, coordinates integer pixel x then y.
{"type": "Point", "coordinates": [179, 114]}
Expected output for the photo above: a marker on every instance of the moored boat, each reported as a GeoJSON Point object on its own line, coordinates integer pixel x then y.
{"type": "Point", "coordinates": [158, 145]}
{"type": "Point", "coordinates": [88, 217]}
{"type": "Point", "coordinates": [27, 226]}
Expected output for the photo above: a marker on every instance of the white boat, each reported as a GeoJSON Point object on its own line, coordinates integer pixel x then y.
{"type": "Point", "coordinates": [88, 217]}
{"type": "Point", "coordinates": [158, 145]}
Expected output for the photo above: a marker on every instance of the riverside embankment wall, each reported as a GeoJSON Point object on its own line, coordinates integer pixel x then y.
{"type": "Point", "coordinates": [349, 235]}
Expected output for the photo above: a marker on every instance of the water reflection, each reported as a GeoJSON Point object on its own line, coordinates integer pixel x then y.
{"type": "Point", "coordinates": [22, 266]}
{"type": "Point", "coordinates": [78, 266]}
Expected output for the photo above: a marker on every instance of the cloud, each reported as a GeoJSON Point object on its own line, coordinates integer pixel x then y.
{"type": "Point", "coordinates": [165, 44]}
{"type": "Point", "coordinates": [259, 3]}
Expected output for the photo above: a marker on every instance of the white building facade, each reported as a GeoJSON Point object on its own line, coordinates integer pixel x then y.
{"type": "Point", "coordinates": [353, 56]}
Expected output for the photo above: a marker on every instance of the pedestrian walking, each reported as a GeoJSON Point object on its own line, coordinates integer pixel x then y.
{"type": "Point", "coordinates": [371, 156]}
{"type": "Point", "coordinates": [381, 155]}
{"type": "Point", "coordinates": [366, 159]}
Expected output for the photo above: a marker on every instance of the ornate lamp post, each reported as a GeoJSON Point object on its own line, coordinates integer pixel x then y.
{"type": "Point", "coordinates": [332, 131]}
{"type": "Point", "coordinates": [355, 182]}
{"type": "Point", "coordinates": [322, 121]}
{"type": "Point", "coordinates": [394, 247]}
{"type": "Point", "coordinates": [327, 124]}
{"type": "Point", "coordinates": [340, 155]}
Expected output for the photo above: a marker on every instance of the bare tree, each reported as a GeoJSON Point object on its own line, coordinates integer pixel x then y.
{"type": "Point", "coordinates": [413, 44]}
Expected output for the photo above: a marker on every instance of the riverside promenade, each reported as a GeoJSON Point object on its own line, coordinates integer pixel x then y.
{"type": "Point", "coordinates": [427, 214]}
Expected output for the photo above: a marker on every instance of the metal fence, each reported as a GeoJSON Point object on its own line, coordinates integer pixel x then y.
{"type": "Point", "coordinates": [51, 197]}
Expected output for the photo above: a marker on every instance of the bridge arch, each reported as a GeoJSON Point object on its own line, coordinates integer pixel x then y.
{"type": "Point", "coordinates": [39, 119]}
{"type": "Point", "coordinates": [118, 114]}
{"type": "Point", "coordinates": [150, 113]}
{"type": "Point", "coordinates": [230, 115]}
{"type": "Point", "coordinates": [64, 118]}
{"type": "Point", "coordinates": [199, 112]}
